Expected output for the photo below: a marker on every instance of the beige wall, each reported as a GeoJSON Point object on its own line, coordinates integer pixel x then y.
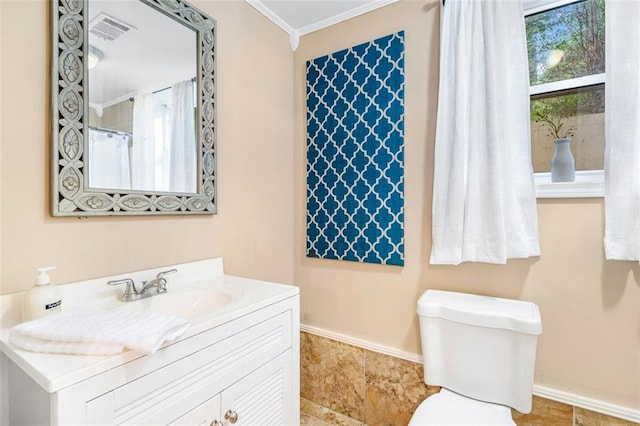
{"type": "Point", "coordinates": [252, 230]}
{"type": "Point", "coordinates": [590, 307]}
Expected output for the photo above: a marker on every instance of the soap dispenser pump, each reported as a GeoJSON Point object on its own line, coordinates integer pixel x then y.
{"type": "Point", "coordinates": [42, 299]}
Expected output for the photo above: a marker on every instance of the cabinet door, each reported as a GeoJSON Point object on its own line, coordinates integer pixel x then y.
{"type": "Point", "coordinates": [205, 414]}
{"type": "Point", "coordinates": [263, 397]}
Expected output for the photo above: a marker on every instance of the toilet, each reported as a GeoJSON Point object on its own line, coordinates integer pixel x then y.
{"type": "Point", "coordinates": [481, 351]}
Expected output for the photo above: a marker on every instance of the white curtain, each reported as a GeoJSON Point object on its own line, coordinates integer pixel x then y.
{"type": "Point", "coordinates": [108, 160]}
{"type": "Point", "coordinates": [484, 205]}
{"type": "Point", "coordinates": [622, 130]}
{"type": "Point", "coordinates": [183, 148]}
{"type": "Point", "coordinates": [143, 151]}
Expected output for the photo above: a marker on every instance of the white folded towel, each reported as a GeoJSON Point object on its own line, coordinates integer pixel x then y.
{"type": "Point", "coordinates": [90, 331]}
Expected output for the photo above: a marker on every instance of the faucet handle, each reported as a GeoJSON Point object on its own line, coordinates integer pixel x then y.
{"type": "Point", "coordinates": [130, 291]}
{"type": "Point", "coordinates": [162, 281]}
{"type": "Point", "coordinates": [127, 281]}
{"type": "Point", "coordinates": [163, 273]}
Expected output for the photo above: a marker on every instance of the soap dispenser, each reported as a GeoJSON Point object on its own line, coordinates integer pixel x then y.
{"type": "Point", "coordinates": [42, 299]}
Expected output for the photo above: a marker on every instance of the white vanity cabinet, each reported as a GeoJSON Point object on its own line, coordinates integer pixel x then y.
{"type": "Point", "coordinates": [200, 415]}
{"type": "Point", "coordinates": [257, 399]}
{"type": "Point", "coordinates": [245, 366]}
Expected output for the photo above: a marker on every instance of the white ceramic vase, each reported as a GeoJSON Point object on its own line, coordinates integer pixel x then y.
{"type": "Point", "coordinates": [563, 166]}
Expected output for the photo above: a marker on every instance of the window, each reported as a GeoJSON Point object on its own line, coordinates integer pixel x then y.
{"type": "Point", "coordinates": [566, 46]}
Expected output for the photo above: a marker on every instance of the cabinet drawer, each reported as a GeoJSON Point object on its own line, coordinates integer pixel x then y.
{"type": "Point", "coordinates": [166, 393]}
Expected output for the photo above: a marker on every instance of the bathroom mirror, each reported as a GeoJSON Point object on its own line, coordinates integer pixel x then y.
{"type": "Point", "coordinates": [133, 108]}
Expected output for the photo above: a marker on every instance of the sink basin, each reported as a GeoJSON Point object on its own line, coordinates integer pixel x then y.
{"type": "Point", "coordinates": [192, 305]}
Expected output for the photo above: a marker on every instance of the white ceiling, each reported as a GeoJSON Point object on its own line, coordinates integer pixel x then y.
{"type": "Point", "coordinates": [300, 17]}
{"type": "Point", "coordinates": [157, 53]}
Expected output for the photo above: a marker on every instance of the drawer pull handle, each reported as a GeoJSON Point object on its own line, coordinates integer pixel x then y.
{"type": "Point", "coordinates": [232, 416]}
{"type": "Point", "coordinates": [216, 423]}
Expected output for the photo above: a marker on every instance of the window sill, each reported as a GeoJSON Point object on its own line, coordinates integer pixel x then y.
{"type": "Point", "coordinates": [588, 183]}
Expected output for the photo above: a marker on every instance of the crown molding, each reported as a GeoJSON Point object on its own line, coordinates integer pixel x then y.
{"type": "Point", "coordinates": [271, 15]}
{"type": "Point", "coordinates": [295, 33]}
{"type": "Point", "coordinates": [341, 17]}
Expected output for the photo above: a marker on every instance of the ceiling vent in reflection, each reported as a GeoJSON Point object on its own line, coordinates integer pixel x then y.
{"type": "Point", "coordinates": [108, 28]}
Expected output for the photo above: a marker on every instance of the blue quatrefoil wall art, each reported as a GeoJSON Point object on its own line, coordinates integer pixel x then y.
{"type": "Point", "coordinates": [355, 153]}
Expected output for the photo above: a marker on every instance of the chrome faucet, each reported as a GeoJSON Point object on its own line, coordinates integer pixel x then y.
{"type": "Point", "coordinates": [158, 285]}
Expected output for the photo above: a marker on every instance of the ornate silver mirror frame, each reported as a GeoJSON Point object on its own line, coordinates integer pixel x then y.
{"type": "Point", "coordinates": [71, 195]}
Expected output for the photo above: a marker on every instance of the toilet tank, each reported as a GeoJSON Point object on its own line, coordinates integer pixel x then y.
{"type": "Point", "coordinates": [479, 346]}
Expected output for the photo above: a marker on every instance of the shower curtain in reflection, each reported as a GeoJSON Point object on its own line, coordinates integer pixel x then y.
{"type": "Point", "coordinates": [164, 141]}
{"type": "Point", "coordinates": [183, 149]}
{"type": "Point", "coordinates": [109, 160]}
{"type": "Point", "coordinates": [143, 174]}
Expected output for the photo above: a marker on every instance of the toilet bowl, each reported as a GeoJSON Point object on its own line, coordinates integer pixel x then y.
{"type": "Point", "coordinates": [450, 408]}
{"type": "Point", "coordinates": [481, 351]}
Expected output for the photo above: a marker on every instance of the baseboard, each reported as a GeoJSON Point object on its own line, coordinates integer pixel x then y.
{"type": "Point", "coordinates": [587, 403]}
{"type": "Point", "coordinates": [541, 391]}
{"type": "Point", "coordinates": [360, 343]}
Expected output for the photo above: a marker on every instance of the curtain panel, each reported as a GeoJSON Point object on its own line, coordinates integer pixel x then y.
{"type": "Point", "coordinates": [484, 205]}
{"type": "Point", "coordinates": [622, 130]}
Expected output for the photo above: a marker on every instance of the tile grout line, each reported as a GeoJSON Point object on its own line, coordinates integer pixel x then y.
{"type": "Point", "coordinates": [364, 396]}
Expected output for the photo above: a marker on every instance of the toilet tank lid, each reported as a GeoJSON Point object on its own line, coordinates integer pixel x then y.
{"type": "Point", "coordinates": [481, 311]}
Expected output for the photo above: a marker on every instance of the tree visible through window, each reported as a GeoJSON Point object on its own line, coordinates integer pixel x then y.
{"type": "Point", "coordinates": [566, 70]}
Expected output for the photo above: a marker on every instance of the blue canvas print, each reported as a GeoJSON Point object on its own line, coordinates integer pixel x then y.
{"type": "Point", "coordinates": [355, 153]}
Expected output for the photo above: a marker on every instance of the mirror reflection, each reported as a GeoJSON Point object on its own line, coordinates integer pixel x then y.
{"type": "Point", "coordinates": [142, 114]}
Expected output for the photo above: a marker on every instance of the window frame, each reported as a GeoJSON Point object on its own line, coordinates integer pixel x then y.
{"type": "Point", "coordinates": [588, 183]}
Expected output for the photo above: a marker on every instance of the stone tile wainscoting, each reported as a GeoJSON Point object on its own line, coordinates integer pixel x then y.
{"type": "Point", "coordinates": [341, 384]}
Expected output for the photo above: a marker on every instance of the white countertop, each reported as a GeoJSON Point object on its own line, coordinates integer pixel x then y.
{"type": "Point", "coordinates": [56, 371]}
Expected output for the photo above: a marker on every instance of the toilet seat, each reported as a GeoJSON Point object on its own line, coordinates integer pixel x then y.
{"type": "Point", "coordinates": [450, 408]}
